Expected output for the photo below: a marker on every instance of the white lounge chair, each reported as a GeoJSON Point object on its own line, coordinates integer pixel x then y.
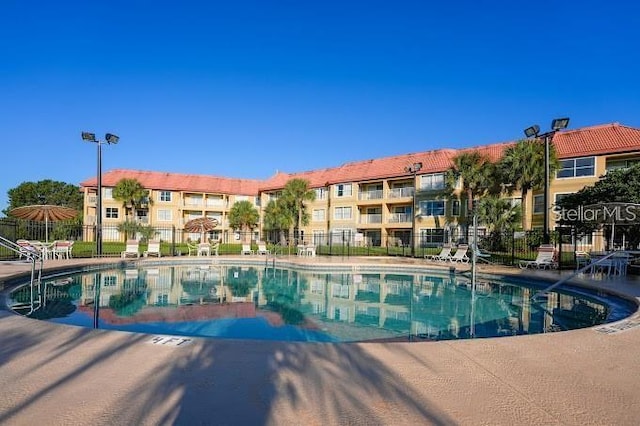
{"type": "Point", "coordinates": [61, 249]}
{"type": "Point", "coordinates": [262, 248]}
{"type": "Point", "coordinates": [546, 258]}
{"type": "Point", "coordinates": [153, 249]}
{"type": "Point", "coordinates": [131, 249]}
{"type": "Point", "coordinates": [444, 254]}
{"type": "Point", "coordinates": [246, 250]}
{"type": "Point", "coordinates": [461, 254]}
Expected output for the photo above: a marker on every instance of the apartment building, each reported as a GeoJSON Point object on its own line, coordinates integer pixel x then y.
{"type": "Point", "coordinates": [368, 202]}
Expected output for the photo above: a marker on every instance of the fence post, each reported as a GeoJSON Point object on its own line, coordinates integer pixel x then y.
{"type": "Point", "coordinates": [513, 246]}
{"type": "Point", "coordinates": [173, 240]}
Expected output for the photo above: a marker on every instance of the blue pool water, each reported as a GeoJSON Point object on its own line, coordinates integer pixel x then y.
{"type": "Point", "coordinates": [254, 302]}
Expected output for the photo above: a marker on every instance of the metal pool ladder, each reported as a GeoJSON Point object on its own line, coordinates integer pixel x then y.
{"type": "Point", "coordinates": [36, 260]}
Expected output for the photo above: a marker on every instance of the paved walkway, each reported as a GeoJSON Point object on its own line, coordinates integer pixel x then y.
{"type": "Point", "coordinates": [61, 375]}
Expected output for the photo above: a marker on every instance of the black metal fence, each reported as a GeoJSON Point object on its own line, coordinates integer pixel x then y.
{"type": "Point", "coordinates": [505, 248]}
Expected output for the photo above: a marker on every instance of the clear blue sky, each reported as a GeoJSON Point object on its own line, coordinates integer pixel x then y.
{"type": "Point", "coordinates": [245, 88]}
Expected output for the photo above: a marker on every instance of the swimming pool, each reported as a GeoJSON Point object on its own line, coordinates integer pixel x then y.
{"type": "Point", "coordinates": [251, 301]}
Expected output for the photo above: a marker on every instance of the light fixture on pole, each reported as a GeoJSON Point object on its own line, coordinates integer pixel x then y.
{"type": "Point", "coordinates": [414, 168]}
{"type": "Point", "coordinates": [110, 139]}
{"type": "Point", "coordinates": [533, 132]}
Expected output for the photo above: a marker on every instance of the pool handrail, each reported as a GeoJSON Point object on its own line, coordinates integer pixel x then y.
{"type": "Point", "coordinates": [580, 271]}
{"type": "Point", "coordinates": [34, 257]}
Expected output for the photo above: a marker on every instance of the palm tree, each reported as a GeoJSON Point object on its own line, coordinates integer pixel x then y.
{"type": "Point", "coordinates": [277, 217]}
{"type": "Point", "coordinates": [499, 215]}
{"type": "Point", "coordinates": [522, 165]}
{"type": "Point", "coordinates": [243, 216]}
{"type": "Point", "coordinates": [295, 193]}
{"type": "Point", "coordinates": [133, 195]}
{"type": "Point", "coordinates": [475, 171]}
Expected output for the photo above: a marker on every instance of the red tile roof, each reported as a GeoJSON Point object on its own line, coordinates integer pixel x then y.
{"type": "Point", "coordinates": [594, 140]}
{"type": "Point", "coordinates": [597, 140]}
{"type": "Point", "coordinates": [179, 182]}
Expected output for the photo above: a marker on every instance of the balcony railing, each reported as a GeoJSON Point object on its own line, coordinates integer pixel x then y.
{"type": "Point", "coordinates": [371, 195]}
{"type": "Point", "coordinates": [92, 199]}
{"type": "Point", "coordinates": [370, 218]}
{"type": "Point", "coordinates": [399, 218]}
{"type": "Point", "coordinates": [401, 192]}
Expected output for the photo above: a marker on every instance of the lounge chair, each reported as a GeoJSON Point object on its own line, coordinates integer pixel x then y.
{"type": "Point", "coordinates": [61, 249]}
{"type": "Point", "coordinates": [460, 255]}
{"type": "Point", "coordinates": [215, 248]}
{"type": "Point", "coordinates": [444, 254]}
{"type": "Point", "coordinates": [546, 258]}
{"type": "Point", "coordinates": [131, 249]}
{"type": "Point", "coordinates": [153, 249]}
{"type": "Point", "coordinates": [28, 250]}
{"type": "Point", "coordinates": [310, 250]}
{"type": "Point", "coordinates": [246, 250]}
{"type": "Point", "coordinates": [262, 248]}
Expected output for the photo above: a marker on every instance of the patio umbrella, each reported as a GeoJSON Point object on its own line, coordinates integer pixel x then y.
{"type": "Point", "coordinates": [44, 213]}
{"type": "Point", "coordinates": [202, 225]}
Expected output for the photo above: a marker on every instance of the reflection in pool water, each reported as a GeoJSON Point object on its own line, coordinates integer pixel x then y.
{"type": "Point", "coordinates": [250, 302]}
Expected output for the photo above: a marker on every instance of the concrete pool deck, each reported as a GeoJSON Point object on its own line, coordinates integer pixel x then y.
{"type": "Point", "coordinates": [63, 375]}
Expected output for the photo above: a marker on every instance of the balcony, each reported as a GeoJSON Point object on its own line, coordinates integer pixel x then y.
{"type": "Point", "coordinates": [406, 192]}
{"type": "Point", "coordinates": [370, 218]}
{"type": "Point", "coordinates": [399, 218]}
{"type": "Point", "coordinates": [370, 195]}
{"type": "Point", "coordinates": [92, 200]}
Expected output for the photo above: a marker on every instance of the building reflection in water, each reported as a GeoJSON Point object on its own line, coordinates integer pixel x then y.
{"type": "Point", "coordinates": [346, 305]}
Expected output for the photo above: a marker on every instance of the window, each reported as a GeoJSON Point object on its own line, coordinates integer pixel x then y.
{"type": "Point", "coordinates": [108, 193]}
{"type": "Point", "coordinates": [109, 281]}
{"type": "Point", "coordinates": [432, 181]}
{"type": "Point", "coordinates": [614, 164]}
{"type": "Point", "coordinates": [317, 215]}
{"type": "Point", "coordinates": [432, 208]}
{"type": "Point", "coordinates": [321, 193]}
{"type": "Point", "coordinates": [111, 213]}
{"type": "Point", "coordinates": [455, 208]}
{"type": "Point", "coordinates": [343, 190]}
{"type": "Point", "coordinates": [577, 167]}
{"type": "Point", "coordinates": [342, 213]}
{"type": "Point", "coordinates": [538, 204]}
{"type": "Point", "coordinates": [273, 196]}
{"type": "Point", "coordinates": [431, 236]}
{"type": "Point", "coordinates": [559, 197]}
{"type": "Point", "coordinates": [164, 216]}
{"type": "Point", "coordinates": [165, 196]}
{"type": "Point", "coordinates": [515, 202]}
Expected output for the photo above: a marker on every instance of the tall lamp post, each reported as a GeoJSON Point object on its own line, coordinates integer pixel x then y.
{"type": "Point", "coordinates": [110, 139]}
{"type": "Point", "coordinates": [533, 131]}
{"type": "Point", "coordinates": [414, 168]}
